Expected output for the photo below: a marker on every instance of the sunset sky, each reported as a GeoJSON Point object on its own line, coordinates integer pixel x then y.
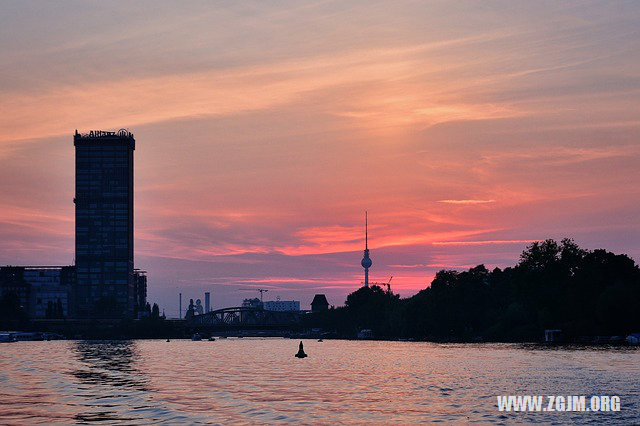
{"type": "Point", "coordinates": [265, 130]}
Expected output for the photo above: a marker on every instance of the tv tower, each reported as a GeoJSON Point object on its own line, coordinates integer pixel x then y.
{"type": "Point", "coordinates": [366, 261]}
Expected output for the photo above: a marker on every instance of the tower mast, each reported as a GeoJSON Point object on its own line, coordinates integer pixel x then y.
{"type": "Point", "coordinates": [366, 261]}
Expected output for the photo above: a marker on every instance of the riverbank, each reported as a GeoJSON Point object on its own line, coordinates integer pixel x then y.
{"type": "Point", "coordinates": [75, 330]}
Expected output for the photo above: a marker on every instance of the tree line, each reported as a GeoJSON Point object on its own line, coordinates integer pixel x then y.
{"type": "Point", "coordinates": [553, 286]}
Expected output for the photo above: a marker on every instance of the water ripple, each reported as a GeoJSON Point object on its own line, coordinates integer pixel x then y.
{"type": "Point", "coordinates": [239, 381]}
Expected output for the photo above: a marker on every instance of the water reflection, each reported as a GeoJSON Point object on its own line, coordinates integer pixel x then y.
{"type": "Point", "coordinates": [347, 382]}
{"type": "Point", "coordinates": [109, 363]}
{"type": "Point", "coordinates": [108, 379]}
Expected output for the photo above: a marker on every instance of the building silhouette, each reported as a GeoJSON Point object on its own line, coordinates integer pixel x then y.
{"type": "Point", "coordinates": [319, 303]}
{"type": "Point", "coordinates": [42, 291]}
{"type": "Point", "coordinates": [140, 291]}
{"type": "Point", "coordinates": [252, 303]}
{"type": "Point", "coordinates": [105, 283]}
{"type": "Point", "coordinates": [282, 305]}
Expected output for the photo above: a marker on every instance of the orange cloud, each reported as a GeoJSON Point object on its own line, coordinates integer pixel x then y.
{"type": "Point", "coordinates": [400, 98]}
{"type": "Point", "coordinates": [466, 201]}
{"type": "Point", "coordinates": [36, 220]}
{"type": "Point", "coordinates": [479, 243]}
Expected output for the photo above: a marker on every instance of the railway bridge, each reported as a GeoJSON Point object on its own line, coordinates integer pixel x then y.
{"type": "Point", "coordinates": [245, 318]}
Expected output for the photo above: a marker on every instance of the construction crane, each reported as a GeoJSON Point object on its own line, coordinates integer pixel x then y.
{"type": "Point", "coordinates": [256, 289]}
{"type": "Point", "coordinates": [388, 284]}
{"type": "Point", "coordinates": [261, 292]}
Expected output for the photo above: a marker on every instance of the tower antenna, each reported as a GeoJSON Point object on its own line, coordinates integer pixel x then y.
{"type": "Point", "coordinates": [366, 261]}
{"type": "Point", "coordinates": [366, 229]}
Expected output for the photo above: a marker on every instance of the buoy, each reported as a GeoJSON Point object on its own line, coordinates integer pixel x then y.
{"type": "Point", "coordinates": [300, 353]}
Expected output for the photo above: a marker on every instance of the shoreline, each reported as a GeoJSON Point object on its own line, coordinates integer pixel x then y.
{"type": "Point", "coordinates": [596, 341]}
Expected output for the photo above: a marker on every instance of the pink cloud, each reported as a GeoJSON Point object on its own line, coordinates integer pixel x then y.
{"type": "Point", "coordinates": [466, 201]}
{"type": "Point", "coordinates": [479, 243]}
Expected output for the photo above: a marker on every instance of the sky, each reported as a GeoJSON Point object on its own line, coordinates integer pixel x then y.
{"type": "Point", "coordinates": [265, 129]}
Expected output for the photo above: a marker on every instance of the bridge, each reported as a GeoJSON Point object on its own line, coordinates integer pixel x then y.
{"type": "Point", "coordinates": [245, 318]}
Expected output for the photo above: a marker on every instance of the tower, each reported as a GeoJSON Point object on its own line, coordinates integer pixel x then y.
{"type": "Point", "coordinates": [366, 261]}
{"type": "Point", "coordinates": [105, 284]}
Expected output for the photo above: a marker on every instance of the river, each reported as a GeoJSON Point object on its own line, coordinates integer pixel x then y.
{"type": "Point", "coordinates": [259, 381]}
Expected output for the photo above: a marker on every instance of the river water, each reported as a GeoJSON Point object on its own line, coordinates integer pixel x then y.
{"type": "Point", "coordinates": [259, 381]}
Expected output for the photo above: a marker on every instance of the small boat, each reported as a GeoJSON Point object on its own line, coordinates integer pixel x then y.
{"type": "Point", "coordinates": [23, 336]}
{"type": "Point", "coordinates": [212, 339]}
{"type": "Point", "coordinates": [365, 334]}
{"type": "Point", "coordinates": [6, 338]}
{"type": "Point", "coordinates": [633, 339]}
{"type": "Point", "coordinates": [196, 337]}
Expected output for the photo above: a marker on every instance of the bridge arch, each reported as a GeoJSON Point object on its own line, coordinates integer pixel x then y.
{"type": "Point", "coordinates": [246, 318]}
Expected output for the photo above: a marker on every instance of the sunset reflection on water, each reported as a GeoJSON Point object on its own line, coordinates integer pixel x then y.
{"type": "Point", "coordinates": [259, 381]}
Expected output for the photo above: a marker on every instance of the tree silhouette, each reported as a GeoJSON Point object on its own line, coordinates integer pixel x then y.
{"type": "Point", "coordinates": [554, 285]}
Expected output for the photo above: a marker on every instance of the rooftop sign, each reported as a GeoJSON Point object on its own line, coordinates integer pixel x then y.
{"type": "Point", "coordinates": [122, 133]}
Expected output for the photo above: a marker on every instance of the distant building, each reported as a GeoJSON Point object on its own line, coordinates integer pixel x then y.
{"type": "Point", "coordinates": [43, 291]}
{"type": "Point", "coordinates": [50, 290]}
{"type": "Point", "coordinates": [252, 303]}
{"type": "Point", "coordinates": [140, 291]}
{"type": "Point", "coordinates": [282, 305]}
{"type": "Point", "coordinates": [12, 283]}
{"type": "Point", "coordinates": [198, 310]}
{"type": "Point", "coordinates": [319, 303]}
{"type": "Point", "coordinates": [207, 302]}
{"type": "Point", "coordinates": [105, 285]}
{"type": "Point", "coordinates": [190, 310]}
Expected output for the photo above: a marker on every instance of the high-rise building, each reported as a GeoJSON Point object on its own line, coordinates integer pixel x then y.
{"type": "Point", "coordinates": [105, 283]}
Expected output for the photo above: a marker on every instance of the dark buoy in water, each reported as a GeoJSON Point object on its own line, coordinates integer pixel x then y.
{"type": "Point", "coordinates": [300, 353]}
